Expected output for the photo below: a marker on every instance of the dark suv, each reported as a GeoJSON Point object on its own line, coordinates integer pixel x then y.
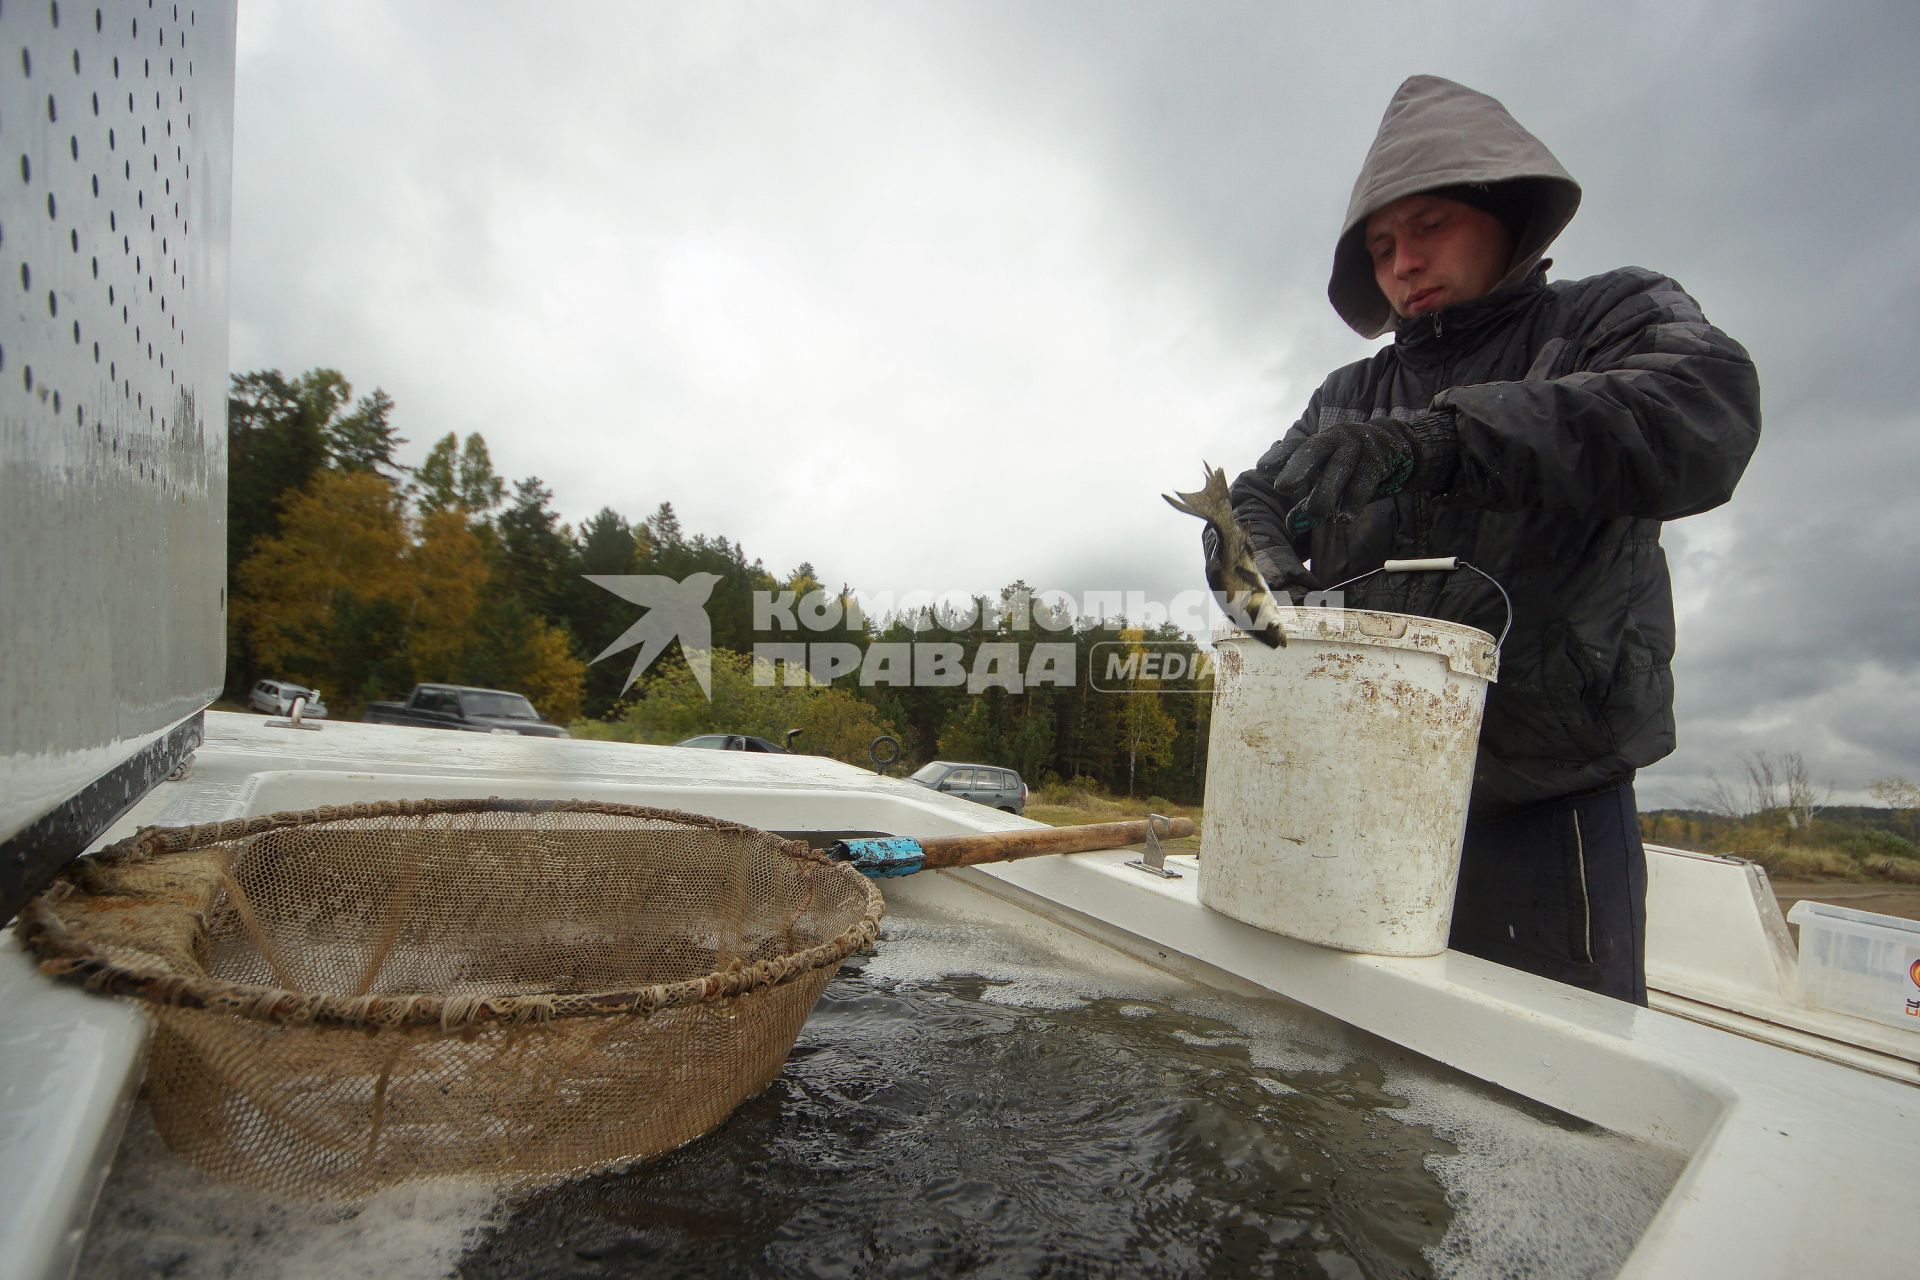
{"type": "Point", "coordinates": [987, 783]}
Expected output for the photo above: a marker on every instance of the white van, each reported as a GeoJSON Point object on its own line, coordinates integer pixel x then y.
{"type": "Point", "coordinates": [275, 697]}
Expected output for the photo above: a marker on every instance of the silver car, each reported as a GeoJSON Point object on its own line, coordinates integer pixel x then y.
{"type": "Point", "coordinates": [986, 784]}
{"type": "Point", "coordinates": [275, 698]}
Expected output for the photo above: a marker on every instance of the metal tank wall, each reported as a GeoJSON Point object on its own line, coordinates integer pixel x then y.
{"type": "Point", "coordinates": [115, 186]}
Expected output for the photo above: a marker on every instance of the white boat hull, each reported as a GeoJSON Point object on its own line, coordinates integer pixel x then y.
{"type": "Point", "coordinates": [1796, 1164]}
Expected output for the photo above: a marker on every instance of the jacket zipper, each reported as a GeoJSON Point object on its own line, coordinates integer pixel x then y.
{"type": "Point", "coordinates": [1586, 902]}
{"type": "Point", "coordinates": [1422, 505]}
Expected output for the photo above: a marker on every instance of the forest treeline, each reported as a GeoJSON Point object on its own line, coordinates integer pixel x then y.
{"type": "Point", "coordinates": [360, 576]}
{"type": "Point", "coordinates": [1777, 815]}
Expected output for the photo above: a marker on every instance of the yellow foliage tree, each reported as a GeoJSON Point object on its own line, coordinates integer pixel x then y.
{"type": "Point", "coordinates": [553, 677]}
{"type": "Point", "coordinates": [341, 545]}
{"type": "Point", "coordinates": [448, 570]}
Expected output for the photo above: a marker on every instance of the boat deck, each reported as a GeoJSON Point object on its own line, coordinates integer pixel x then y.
{"type": "Point", "coordinates": [1794, 1164]}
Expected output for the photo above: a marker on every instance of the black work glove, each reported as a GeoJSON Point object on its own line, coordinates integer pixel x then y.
{"type": "Point", "coordinates": [1329, 475]}
{"type": "Point", "coordinates": [1262, 512]}
{"type": "Point", "coordinates": [1277, 563]}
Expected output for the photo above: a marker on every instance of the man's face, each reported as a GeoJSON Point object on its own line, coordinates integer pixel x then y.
{"type": "Point", "coordinates": [1430, 252]}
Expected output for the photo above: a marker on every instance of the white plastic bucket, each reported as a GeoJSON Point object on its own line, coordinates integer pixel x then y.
{"type": "Point", "coordinates": [1338, 771]}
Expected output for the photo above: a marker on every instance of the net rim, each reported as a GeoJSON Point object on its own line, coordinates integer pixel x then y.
{"type": "Point", "coordinates": [63, 956]}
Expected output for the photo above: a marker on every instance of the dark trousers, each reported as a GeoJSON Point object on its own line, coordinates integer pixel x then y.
{"type": "Point", "coordinates": [1559, 889]}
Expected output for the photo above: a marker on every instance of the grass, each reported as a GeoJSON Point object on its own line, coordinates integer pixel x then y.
{"type": "Point", "coordinates": [1832, 862]}
{"type": "Point", "coordinates": [1841, 851]}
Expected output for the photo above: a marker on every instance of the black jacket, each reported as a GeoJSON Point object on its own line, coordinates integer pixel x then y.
{"type": "Point", "coordinates": [1587, 413]}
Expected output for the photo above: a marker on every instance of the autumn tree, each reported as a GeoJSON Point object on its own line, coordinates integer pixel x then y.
{"type": "Point", "coordinates": [509, 647]}
{"type": "Point", "coordinates": [466, 626]}
{"type": "Point", "coordinates": [552, 674]}
{"type": "Point", "coordinates": [447, 572]}
{"type": "Point", "coordinates": [457, 476]}
{"type": "Point", "coordinates": [339, 558]}
{"type": "Point", "coordinates": [281, 430]}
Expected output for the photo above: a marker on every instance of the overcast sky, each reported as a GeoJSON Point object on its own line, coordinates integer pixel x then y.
{"type": "Point", "coordinates": [937, 296]}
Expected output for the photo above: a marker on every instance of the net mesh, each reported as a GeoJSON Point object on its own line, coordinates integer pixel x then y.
{"type": "Point", "coordinates": [349, 998]}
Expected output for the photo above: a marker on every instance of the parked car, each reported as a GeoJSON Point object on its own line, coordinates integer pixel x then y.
{"type": "Point", "coordinates": [275, 697]}
{"type": "Point", "coordinates": [456, 706]}
{"type": "Point", "coordinates": [740, 742]}
{"type": "Point", "coordinates": [989, 784]}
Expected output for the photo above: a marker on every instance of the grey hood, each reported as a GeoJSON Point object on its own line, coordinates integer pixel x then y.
{"type": "Point", "coordinates": [1440, 134]}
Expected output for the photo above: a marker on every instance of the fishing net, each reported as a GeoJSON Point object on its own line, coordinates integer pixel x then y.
{"type": "Point", "coordinates": [352, 997]}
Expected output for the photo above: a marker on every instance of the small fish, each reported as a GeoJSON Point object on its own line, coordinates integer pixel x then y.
{"type": "Point", "coordinates": [1235, 578]}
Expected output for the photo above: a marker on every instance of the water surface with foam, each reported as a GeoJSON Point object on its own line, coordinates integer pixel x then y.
{"type": "Point", "coordinates": [974, 1100]}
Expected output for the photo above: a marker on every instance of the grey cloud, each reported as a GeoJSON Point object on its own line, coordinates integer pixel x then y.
{"type": "Point", "coordinates": [1003, 272]}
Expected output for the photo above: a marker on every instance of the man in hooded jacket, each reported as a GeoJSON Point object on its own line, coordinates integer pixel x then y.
{"type": "Point", "coordinates": [1541, 431]}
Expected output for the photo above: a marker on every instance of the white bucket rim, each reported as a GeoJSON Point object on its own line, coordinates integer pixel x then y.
{"type": "Point", "coordinates": [1467, 651]}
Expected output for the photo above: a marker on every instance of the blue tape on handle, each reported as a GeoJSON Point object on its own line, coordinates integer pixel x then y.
{"type": "Point", "coordinates": [890, 856]}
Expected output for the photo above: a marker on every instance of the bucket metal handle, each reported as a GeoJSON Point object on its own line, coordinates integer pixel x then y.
{"type": "Point", "coordinates": [1440, 564]}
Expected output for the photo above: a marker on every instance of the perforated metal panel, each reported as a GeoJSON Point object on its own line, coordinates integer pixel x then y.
{"type": "Point", "coordinates": [115, 147]}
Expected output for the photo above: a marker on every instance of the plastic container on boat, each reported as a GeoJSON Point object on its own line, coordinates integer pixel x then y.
{"type": "Point", "coordinates": [1859, 962]}
{"type": "Point", "coordinates": [1338, 772]}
